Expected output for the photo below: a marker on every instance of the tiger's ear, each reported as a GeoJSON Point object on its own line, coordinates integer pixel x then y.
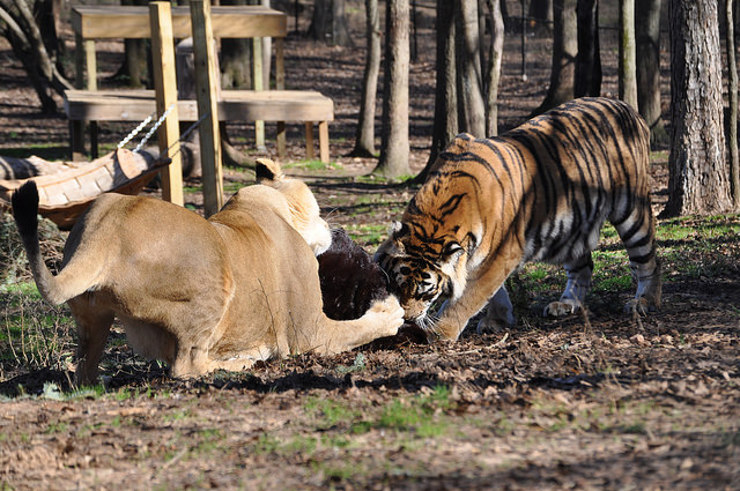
{"type": "Point", "coordinates": [398, 229]}
{"type": "Point", "coordinates": [267, 170]}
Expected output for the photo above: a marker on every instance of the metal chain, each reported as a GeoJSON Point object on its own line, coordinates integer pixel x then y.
{"type": "Point", "coordinates": [154, 128]}
{"type": "Point", "coordinates": [135, 131]}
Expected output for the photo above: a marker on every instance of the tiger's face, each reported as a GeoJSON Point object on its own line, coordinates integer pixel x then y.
{"type": "Point", "coordinates": [419, 278]}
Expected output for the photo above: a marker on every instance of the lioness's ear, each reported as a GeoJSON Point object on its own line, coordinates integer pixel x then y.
{"type": "Point", "coordinates": [267, 170]}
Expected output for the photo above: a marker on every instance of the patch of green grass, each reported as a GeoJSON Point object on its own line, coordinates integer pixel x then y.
{"type": "Point", "coordinates": [313, 165]}
{"type": "Point", "coordinates": [56, 427]}
{"type": "Point", "coordinates": [266, 444]}
{"type": "Point", "coordinates": [209, 441]}
{"type": "Point", "coordinates": [178, 415]}
{"type": "Point", "coordinates": [357, 366]}
{"type": "Point", "coordinates": [367, 234]}
{"type": "Point", "coordinates": [330, 412]}
{"type": "Point", "coordinates": [613, 284]}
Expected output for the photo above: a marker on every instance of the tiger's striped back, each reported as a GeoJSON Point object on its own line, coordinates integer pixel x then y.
{"type": "Point", "coordinates": [540, 192]}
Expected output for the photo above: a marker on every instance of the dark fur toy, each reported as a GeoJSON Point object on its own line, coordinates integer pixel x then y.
{"type": "Point", "coordinates": [350, 280]}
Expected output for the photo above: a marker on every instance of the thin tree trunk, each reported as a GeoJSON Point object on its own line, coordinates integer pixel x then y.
{"type": "Point", "coordinates": [19, 26]}
{"type": "Point", "coordinates": [394, 152]}
{"type": "Point", "coordinates": [647, 36]}
{"type": "Point", "coordinates": [627, 55]}
{"type": "Point", "coordinates": [698, 172]}
{"type": "Point", "coordinates": [565, 50]}
{"type": "Point", "coordinates": [732, 62]}
{"type": "Point", "coordinates": [494, 66]}
{"type": "Point", "coordinates": [329, 23]}
{"type": "Point", "coordinates": [470, 81]}
{"type": "Point", "coordinates": [445, 95]}
{"type": "Point", "coordinates": [365, 135]}
{"type": "Point", "coordinates": [588, 61]}
{"type": "Point", "coordinates": [236, 58]}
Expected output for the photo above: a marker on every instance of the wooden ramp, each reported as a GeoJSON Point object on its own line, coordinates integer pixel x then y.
{"type": "Point", "coordinates": [64, 195]}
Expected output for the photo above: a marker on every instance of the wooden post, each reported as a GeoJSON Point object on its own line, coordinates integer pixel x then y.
{"type": "Point", "coordinates": [259, 126]}
{"type": "Point", "coordinates": [309, 140]}
{"type": "Point", "coordinates": [84, 61]}
{"type": "Point", "coordinates": [165, 89]}
{"type": "Point", "coordinates": [208, 92]}
{"type": "Point", "coordinates": [324, 141]}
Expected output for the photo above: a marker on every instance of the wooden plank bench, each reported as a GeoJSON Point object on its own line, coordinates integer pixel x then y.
{"type": "Point", "coordinates": [114, 22]}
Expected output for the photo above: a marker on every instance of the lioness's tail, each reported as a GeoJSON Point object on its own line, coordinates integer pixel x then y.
{"type": "Point", "coordinates": [25, 209]}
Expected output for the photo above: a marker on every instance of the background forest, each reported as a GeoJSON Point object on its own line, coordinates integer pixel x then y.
{"type": "Point", "coordinates": [596, 400]}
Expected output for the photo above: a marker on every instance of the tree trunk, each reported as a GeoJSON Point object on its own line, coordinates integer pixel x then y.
{"type": "Point", "coordinates": [445, 95]}
{"type": "Point", "coordinates": [365, 135]}
{"type": "Point", "coordinates": [565, 50]}
{"type": "Point", "coordinates": [732, 89]}
{"type": "Point", "coordinates": [540, 13]}
{"type": "Point", "coordinates": [136, 58]}
{"type": "Point", "coordinates": [494, 66]}
{"type": "Point", "coordinates": [588, 61]}
{"type": "Point", "coordinates": [236, 58]}
{"type": "Point", "coordinates": [698, 172]}
{"type": "Point", "coordinates": [470, 82]}
{"type": "Point", "coordinates": [394, 152]}
{"type": "Point", "coordinates": [329, 23]}
{"type": "Point", "coordinates": [627, 78]}
{"type": "Point", "coordinates": [19, 26]}
{"type": "Point", "coordinates": [647, 36]}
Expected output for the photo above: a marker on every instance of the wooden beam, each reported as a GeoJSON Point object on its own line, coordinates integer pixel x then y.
{"type": "Point", "coordinates": [324, 141]}
{"type": "Point", "coordinates": [165, 88]}
{"type": "Point", "coordinates": [309, 140]}
{"type": "Point", "coordinates": [207, 89]}
{"type": "Point", "coordinates": [257, 82]}
{"type": "Point", "coordinates": [127, 21]}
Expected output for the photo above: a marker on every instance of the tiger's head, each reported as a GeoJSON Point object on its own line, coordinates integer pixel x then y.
{"type": "Point", "coordinates": [421, 273]}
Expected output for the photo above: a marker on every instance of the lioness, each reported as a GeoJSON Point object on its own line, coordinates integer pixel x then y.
{"type": "Point", "coordinates": [200, 294]}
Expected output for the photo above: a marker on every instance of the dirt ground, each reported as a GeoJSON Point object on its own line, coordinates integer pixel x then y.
{"type": "Point", "coordinates": [599, 400]}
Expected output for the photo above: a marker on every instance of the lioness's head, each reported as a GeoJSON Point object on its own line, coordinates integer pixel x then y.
{"type": "Point", "coordinates": [304, 210]}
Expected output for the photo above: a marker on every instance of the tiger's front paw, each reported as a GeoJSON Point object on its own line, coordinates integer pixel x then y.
{"type": "Point", "coordinates": [443, 331]}
{"type": "Point", "coordinates": [562, 308]}
{"type": "Point", "coordinates": [640, 306]}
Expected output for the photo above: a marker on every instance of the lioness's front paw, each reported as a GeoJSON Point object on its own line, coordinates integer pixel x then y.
{"type": "Point", "coordinates": [561, 308]}
{"type": "Point", "coordinates": [391, 314]}
{"type": "Point", "coordinates": [640, 305]}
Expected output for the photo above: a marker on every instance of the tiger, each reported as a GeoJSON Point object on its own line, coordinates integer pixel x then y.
{"type": "Point", "coordinates": [539, 193]}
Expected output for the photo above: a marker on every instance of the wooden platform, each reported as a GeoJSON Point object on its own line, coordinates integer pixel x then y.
{"type": "Point", "coordinates": [91, 23]}
{"type": "Point", "coordinates": [236, 105]}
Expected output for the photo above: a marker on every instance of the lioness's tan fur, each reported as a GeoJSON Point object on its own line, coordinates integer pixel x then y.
{"type": "Point", "coordinates": [200, 294]}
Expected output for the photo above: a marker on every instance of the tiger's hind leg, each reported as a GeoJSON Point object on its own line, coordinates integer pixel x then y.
{"type": "Point", "coordinates": [637, 232]}
{"type": "Point", "coordinates": [579, 283]}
